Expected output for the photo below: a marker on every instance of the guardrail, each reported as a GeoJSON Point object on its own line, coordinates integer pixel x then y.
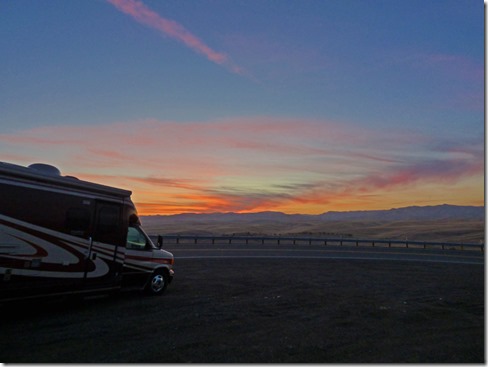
{"type": "Point", "coordinates": [177, 239]}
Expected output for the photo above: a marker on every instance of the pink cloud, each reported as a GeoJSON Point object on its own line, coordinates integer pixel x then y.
{"type": "Point", "coordinates": [277, 60]}
{"type": "Point", "coordinates": [249, 164]}
{"type": "Point", "coordinates": [142, 14]}
{"type": "Point", "coordinates": [453, 65]}
{"type": "Point", "coordinates": [465, 76]}
{"type": "Point", "coordinates": [443, 172]}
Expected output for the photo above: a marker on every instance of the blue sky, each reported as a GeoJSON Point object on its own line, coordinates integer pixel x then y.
{"type": "Point", "coordinates": [397, 82]}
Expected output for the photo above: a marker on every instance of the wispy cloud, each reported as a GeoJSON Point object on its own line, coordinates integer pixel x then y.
{"type": "Point", "coordinates": [142, 14]}
{"type": "Point", "coordinates": [277, 61]}
{"type": "Point", "coordinates": [260, 163]}
{"type": "Point", "coordinates": [456, 66]}
{"type": "Point", "coordinates": [461, 76]}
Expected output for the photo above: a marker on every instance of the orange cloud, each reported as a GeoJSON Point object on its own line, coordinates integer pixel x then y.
{"type": "Point", "coordinates": [260, 163]}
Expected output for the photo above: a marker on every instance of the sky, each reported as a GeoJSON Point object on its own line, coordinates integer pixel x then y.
{"type": "Point", "coordinates": [298, 106]}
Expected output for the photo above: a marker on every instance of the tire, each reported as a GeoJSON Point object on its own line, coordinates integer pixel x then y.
{"type": "Point", "coordinates": [157, 283]}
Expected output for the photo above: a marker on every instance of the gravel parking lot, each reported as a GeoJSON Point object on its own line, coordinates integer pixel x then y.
{"type": "Point", "coordinates": [266, 310]}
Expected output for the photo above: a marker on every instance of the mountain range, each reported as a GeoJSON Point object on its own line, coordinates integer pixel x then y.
{"type": "Point", "coordinates": [437, 212]}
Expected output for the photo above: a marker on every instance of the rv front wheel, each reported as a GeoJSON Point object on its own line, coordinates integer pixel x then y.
{"type": "Point", "coordinates": [157, 283]}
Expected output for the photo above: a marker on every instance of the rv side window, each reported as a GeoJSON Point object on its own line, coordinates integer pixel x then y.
{"type": "Point", "coordinates": [136, 239]}
{"type": "Point", "coordinates": [78, 221]}
{"type": "Point", "coordinates": [108, 220]}
{"type": "Point", "coordinates": [108, 226]}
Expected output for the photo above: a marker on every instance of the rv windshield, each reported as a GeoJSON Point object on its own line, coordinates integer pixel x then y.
{"type": "Point", "coordinates": [137, 239]}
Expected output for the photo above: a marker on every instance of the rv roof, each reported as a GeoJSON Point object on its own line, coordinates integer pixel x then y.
{"type": "Point", "coordinates": [47, 174]}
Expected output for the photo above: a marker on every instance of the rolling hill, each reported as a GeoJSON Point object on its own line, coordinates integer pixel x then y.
{"type": "Point", "coordinates": [449, 223]}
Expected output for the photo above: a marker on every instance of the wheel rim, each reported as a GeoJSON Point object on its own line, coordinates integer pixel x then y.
{"type": "Point", "coordinates": [157, 283]}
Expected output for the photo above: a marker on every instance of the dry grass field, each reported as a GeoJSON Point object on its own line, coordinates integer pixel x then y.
{"type": "Point", "coordinates": [456, 231]}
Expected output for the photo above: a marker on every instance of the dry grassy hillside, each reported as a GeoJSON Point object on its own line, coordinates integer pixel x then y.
{"type": "Point", "coordinates": [459, 231]}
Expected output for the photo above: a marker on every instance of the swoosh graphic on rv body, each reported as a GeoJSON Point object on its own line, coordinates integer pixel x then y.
{"type": "Point", "coordinates": [40, 252]}
{"type": "Point", "coordinates": [61, 255]}
{"type": "Point", "coordinates": [100, 269]}
{"type": "Point", "coordinates": [47, 246]}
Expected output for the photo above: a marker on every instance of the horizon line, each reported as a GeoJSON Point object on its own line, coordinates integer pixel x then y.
{"type": "Point", "coordinates": [305, 214]}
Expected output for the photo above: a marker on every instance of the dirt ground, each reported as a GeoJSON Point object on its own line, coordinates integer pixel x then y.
{"type": "Point", "coordinates": [266, 310]}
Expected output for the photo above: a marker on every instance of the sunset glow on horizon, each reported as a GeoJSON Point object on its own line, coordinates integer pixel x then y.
{"type": "Point", "coordinates": [215, 106]}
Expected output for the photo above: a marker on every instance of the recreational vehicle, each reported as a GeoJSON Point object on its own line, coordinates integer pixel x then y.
{"type": "Point", "coordinates": [61, 235]}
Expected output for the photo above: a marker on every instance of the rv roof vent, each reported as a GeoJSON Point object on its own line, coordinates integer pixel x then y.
{"type": "Point", "coordinates": [72, 177]}
{"type": "Point", "coordinates": [45, 169]}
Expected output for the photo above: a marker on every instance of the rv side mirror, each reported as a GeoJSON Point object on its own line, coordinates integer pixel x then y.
{"type": "Point", "coordinates": [160, 241]}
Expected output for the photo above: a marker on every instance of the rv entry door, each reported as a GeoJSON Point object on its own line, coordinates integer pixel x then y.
{"type": "Point", "coordinates": [102, 265]}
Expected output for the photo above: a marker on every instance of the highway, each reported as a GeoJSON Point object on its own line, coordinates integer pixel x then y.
{"type": "Point", "coordinates": [241, 250]}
